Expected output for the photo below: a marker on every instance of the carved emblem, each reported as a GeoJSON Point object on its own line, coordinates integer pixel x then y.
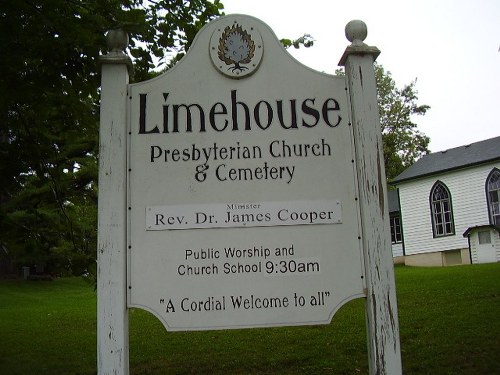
{"type": "Point", "coordinates": [236, 48]}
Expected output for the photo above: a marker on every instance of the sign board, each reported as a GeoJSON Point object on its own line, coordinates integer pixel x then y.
{"type": "Point", "coordinates": [242, 195]}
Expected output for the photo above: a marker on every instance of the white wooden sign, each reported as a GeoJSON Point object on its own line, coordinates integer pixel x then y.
{"type": "Point", "coordinates": [242, 189]}
{"type": "Point", "coordinates": [243, 207]}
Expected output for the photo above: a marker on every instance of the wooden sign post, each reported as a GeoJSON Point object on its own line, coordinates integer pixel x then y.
{"type": "Point", "coordinates": [112, 312]}
{"type": "Point", "coordinates": [241, 189]}
{"type": "Point", "coordinates": [381, 308]}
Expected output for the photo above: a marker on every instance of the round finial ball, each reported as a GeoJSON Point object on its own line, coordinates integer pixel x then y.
{"type": "Point", "coordinates": [117, 40]}
{"type": "Point", "coordinates": [356, 30]}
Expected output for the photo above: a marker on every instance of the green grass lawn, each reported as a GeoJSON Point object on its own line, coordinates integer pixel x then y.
{"type": "Point", "coordinates": [449, 323]}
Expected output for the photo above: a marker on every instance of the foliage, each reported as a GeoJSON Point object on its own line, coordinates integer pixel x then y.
{"type": "Point", "coordinates": [305, 40]}
{"type": "Point", "coordinates": [448, 325]}
{"type": "Point", "coordinates": [403, 143]}
{"type": "Point", "coordinates": [49, 110]}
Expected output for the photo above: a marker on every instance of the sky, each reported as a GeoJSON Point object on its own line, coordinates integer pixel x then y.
{"type": "Point", "coordinates": [451, 47]}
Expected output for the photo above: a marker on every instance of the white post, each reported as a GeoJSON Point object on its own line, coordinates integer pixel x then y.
{"type": "Point", "coordinates": [112, 314]}
{"type": "Point", "coordinates": [381, 308]}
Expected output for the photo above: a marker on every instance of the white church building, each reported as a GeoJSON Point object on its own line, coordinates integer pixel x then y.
{"type": "Point", "coordinates": [445, 208]}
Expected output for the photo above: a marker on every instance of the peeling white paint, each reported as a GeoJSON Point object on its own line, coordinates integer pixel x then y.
{"type": "Point", "coordinates": [381, 307]}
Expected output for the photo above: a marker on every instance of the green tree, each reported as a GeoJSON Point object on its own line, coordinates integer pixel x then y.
{"type": "Point", "coordinates": [49, 112]}
{"type": "Point", "coordinates": [403, 143]}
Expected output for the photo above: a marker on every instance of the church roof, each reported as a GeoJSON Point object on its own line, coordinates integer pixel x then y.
{"type": "Point", "coordinates": [454, 158]}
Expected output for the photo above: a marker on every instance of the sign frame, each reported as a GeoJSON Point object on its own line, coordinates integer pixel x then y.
{"type": "Point", "coordinates": [113, 240]}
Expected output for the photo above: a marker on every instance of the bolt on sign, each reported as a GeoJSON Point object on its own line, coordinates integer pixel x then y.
{"type": "Point", "coordinates": [242, 190]}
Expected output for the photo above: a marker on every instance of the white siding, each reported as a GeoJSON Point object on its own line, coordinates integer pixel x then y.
{"type": "Point", "coordinates": [397, 250]}
{"type": "Point", "coordinates": [473, 248]}
{"type": "Point", "coordinates": [468, 197]}
{"type": "Point", "coordinates": [496, 242]}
